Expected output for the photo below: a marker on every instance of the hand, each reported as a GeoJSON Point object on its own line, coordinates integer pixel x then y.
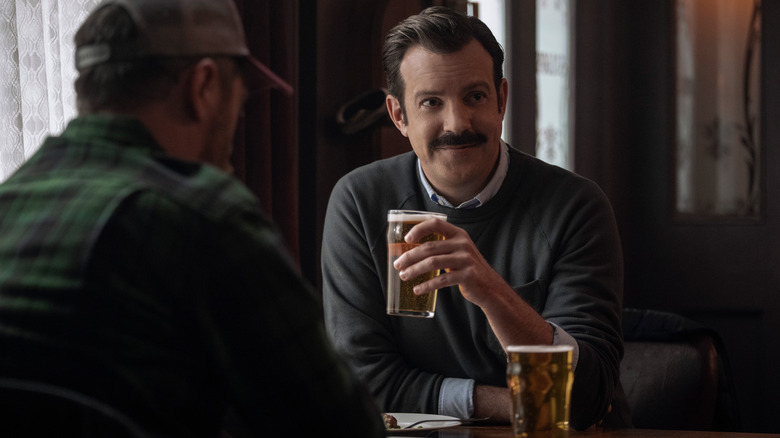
{"type": "Point", "coordinates": [513, 321]}
{"type": "Point", "coordinates": [456, 255]}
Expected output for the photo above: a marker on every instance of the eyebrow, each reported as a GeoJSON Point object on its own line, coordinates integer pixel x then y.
{"type": "Point", "coordinates": [469, 86]}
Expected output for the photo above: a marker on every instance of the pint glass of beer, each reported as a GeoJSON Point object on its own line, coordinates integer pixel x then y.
{"type": "Point", "coordinates": [401, 299]}
{"type": "Point", "coordinates": [540, 380]}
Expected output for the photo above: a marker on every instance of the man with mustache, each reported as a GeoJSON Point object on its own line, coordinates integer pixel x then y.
{"type": "Point", "coordinates": [531, 252]}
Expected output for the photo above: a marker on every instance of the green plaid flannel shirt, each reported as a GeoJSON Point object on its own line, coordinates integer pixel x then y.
{"type": "Point", "coordinates": [158, 286]}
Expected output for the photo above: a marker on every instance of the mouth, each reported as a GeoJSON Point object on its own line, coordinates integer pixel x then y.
{"type": "Point", "coordinates": [456, 146]}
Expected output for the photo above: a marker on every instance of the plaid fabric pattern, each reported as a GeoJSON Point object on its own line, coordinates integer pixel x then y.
{"type": "Point", "coordinates": [158, 286]}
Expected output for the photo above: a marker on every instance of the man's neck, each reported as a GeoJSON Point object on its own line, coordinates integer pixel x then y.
{"type": "Point", "coordinates": [458, 195]}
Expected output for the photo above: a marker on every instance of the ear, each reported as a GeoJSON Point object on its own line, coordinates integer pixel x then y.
{"type": "Point", "coordinates": [203, 90]}
{"type": "Point", "coordinates": [503, 95]}
{"type": "Point", "coordinates": [396, 113]}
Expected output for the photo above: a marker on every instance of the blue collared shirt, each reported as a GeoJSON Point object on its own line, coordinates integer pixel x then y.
{"type": "Point", "coordinates": [482, 197]}
{"type": "Point", "coordinates": [456, 396]}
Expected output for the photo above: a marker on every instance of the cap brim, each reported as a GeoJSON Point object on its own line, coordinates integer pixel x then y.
{"type": "Point", "coordinates": [259, 76]}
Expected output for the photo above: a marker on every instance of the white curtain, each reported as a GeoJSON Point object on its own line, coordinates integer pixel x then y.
{"type": "Point", "coordinates": [554, 98]}
{"type": "Point", "coordinates": [36, 73]}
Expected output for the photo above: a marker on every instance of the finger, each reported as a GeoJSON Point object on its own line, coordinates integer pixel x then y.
{"type": "Point", "coordinates": [439, 282]}
{"type": "Point", "coordinates": [423, 251]}
{"type": "Point", "coordinates": [454, 274]}
{"type": "Point", "coordinates": [428, 226]}
{"type": "Point", "coordinates": [414, 264]}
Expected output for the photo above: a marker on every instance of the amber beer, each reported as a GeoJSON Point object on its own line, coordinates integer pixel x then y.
{"type": "Point", "coordinates": [401, 299]}
{"type": "Point", "coordinates": [540, 380]}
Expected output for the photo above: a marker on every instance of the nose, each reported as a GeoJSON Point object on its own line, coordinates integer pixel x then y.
{"type": "Point", "coordinates": [457, 118]}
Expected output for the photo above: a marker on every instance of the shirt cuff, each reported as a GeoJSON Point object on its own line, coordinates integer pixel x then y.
{"type": "Point", "coordinates": [456, 397]}
{"type": "Point", "coordinates": [560, 337]}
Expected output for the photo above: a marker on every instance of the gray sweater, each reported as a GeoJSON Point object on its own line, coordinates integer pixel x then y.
{"type": "Point", "coordinates": [550, 234]}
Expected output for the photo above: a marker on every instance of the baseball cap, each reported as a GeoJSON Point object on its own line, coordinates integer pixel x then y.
{"type": "Point", "coordinates": [182, 28]}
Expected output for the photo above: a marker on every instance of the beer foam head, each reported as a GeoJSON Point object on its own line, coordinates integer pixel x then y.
{"type": "Point", "coordinates": [412, 215]}
{"type": "Point", "coordinates": [538, 348]}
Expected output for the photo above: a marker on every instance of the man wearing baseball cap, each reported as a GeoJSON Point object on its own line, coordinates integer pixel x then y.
{"type": "Point", "coordinates": [136, 274]}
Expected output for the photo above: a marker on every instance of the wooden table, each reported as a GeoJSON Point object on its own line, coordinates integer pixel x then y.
{"type": "Point", "coordinates": [506, 432]}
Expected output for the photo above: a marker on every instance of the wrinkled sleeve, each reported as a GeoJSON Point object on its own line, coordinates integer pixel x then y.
{"type": "Point", "coordinates": [585, 293]}
{"type": "Point", "coordinates": [354, 305]}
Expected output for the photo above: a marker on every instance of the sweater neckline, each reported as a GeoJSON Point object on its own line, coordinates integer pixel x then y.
{"type": "Point", "coordinates": [507, 191]}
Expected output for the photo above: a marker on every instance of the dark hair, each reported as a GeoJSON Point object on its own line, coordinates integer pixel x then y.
{"type": "Point", "coordinates": [125, 85]}
{"type": "Point", "coordinates": [440, 30]}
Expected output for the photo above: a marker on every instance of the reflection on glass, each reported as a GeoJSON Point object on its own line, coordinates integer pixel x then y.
{"type": "Point", "coordinates": [717, 108]}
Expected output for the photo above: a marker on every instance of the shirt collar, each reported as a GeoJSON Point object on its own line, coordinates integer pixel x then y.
{"type": "Point", "coordinates": [121, 130]}
{"type": "Point", "coordinates": [482, 197]}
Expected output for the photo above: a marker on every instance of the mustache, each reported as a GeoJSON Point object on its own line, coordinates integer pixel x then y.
{"type": "Point", "coordinates": [452, 139]}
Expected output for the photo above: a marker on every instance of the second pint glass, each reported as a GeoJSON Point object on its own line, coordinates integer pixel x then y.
{"type": "Point", "coordinates": [540, 379]}
{"type": "Point", "coordinates": [401, 299]}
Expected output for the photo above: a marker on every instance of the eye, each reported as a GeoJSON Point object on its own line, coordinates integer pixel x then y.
{"type": "Point", "coordinates": [478, 96]}
{"type": "Point", "coordinates": [430, 102]}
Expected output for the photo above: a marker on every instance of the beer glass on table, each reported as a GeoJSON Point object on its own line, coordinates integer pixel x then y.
{"type": "Point", "coordinates": [401, 299]}
{"type": "Point", "coordinates": [540, 380]}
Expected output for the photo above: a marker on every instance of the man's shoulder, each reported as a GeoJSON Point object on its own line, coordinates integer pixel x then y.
{"type": "Point", "coordinates": [397, 171]}
{"type": "Point", "coordinates": [201, 187]}
{"type": "Point", "coordinates": [367, 192]}
{"type": "Point", "coordinates": [112, 174]}
{"type": "Point", "coordinates": [549, 181]}
{"type": "Point", "coordinates": [374, 171]}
